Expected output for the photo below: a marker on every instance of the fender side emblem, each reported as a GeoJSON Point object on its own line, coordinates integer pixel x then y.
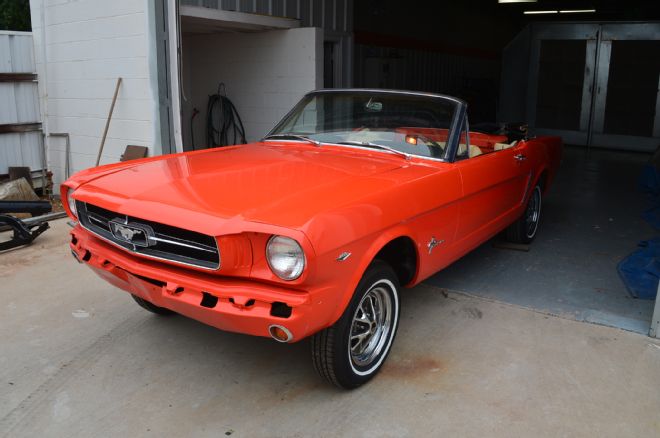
{"type": "Point", "coordinates": [343, 256]}
{"type": "Point", "coordinates": [433, 243]}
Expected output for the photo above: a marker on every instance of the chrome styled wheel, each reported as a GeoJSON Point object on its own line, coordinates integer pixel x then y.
{"type": "Point", "coordinates": [353, 349]}
{"type": "Point", "coordinates": [524, 229]}
{"type": "Point", "coordinates": [533, 213]}
{"type": "Point", "coordinates": [371, 326]}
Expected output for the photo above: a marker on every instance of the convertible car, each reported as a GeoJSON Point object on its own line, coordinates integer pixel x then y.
{"type": "Point", "coordinates": [315, 229]}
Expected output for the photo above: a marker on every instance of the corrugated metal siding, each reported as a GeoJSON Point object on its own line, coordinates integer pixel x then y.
{"type": "Point", "coordinates": [472, 78]}
{"type": "Point", "coordinates": [331, 15]}
{"type": "Point", "coordinates": [19, 103]}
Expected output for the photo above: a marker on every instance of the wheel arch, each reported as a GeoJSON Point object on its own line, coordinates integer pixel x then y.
{"type": "Point", "coordinates": [542, 178]}
{"type": "Point", "coordinates": [385, 247]}
{"type": "Point", "coordinates": [401, 254]}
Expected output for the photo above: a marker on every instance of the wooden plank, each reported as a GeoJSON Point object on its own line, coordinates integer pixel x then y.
{"type": "Point", "coordinates": [134, 153]}
{"type": "Point", "coordinates": [19, 127]}
{"type": "Point", "coordinates": [21, 172]}
{"type": "Point", "coordinates": [18, 77]}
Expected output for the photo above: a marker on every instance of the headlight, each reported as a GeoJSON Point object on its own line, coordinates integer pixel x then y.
{"type": "Point", "coordinates": [285, 257]}
{"type": "Point", "coordinates": [71, 203]}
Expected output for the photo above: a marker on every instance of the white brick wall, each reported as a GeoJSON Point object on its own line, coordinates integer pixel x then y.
{"type": "Point", "coordinates": [88, 44]}
{"type": "Point", "coordinates": [265, 74]}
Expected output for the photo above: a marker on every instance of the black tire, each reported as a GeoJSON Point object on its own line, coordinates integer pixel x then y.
{"type": "Point", "coordinates": [151, 306]}
{"type": "Point", "coordinates": [525, 228]}
{"type": "Point", "coordinates": [333, 357]}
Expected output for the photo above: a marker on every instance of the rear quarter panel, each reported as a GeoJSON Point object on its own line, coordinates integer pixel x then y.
{"type": "Point", "coordinates": [546, 153]}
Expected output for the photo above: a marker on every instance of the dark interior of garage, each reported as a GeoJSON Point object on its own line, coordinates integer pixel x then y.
{"type": "Point", "coordinates": [587, 71]}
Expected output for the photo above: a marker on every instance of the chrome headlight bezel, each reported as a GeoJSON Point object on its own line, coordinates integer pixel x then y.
{"type": "Point", "coordinates": [283, 247]}
{"type": "Point", "coordinates": [71, 203]}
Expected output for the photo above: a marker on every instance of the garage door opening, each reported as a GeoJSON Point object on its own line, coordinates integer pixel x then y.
{"type": "Point", "coordinates": [595, 85]}
{"type": "Point", "coordinates": [263, 64]}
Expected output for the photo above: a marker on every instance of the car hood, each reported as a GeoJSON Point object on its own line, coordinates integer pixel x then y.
{"type": "Point", "coordinates": [216, 191]}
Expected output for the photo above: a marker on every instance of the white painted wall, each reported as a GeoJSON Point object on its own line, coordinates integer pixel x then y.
{"type": "Point", "coordinates": [265, 74]}
{"type": "Point", "coordinates": [81, 47]}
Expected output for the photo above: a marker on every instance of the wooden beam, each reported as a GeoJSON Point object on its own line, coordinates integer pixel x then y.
{"type": "Point", "coordinates": [18, 77]}
{"type": "Point", "coordinates": [19, 127]}
{"type": "Point", "coordinates": [215, 20]}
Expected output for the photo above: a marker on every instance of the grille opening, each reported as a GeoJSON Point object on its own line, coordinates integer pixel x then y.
{"type": "Point", "coordinates": [165, 242]}
{"type": "Point", "coordinates": [281, 310]}
{"type": "Point", "coordinates": [208, 300]}
{"type": "Point", "coordinates": [178, 290]}
{"type": "Point", "coordinates": [74, 240]}
{"type": "Point", "coordinates": [106, 263]}
{"type": "Point", "coordinates": [87, 256]}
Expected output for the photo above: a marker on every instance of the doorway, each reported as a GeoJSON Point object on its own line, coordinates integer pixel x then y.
{"type": "Point", "coordinates": [596, 84]}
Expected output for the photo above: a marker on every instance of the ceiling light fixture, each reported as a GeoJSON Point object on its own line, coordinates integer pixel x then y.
{"type": "Point", "coordinates": [539, 12]}
{"type": "Point", "coordinates": [577, 11]}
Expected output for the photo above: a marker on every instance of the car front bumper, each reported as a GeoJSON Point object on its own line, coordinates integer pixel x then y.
{"type": "Point", "coordinates": [230, 304]}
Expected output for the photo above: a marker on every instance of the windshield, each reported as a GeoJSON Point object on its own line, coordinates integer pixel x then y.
{"type": "Point", "coordinates": [410, 123]}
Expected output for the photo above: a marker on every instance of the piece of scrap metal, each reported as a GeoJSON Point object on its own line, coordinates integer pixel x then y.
{"type": "Point", "coordinates": [24, 234]}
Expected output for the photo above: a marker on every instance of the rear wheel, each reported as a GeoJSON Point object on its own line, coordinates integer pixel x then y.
{"type": "Point", "coordinates": [524, 229]}
{"type": "Point", "coordinates": [349, 353]}
{"type": "Point", "coordinates": [151, 306]}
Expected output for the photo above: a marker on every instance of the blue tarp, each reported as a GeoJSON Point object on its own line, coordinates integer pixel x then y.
{"type": "Point", "coordinates": [652, 216]}
{"type": "Point", "coordinates": [640, 271]}
{"type": "Point", "coordinates": [649, 183]}
{"type": "Point", "coordinates": [649, 180]}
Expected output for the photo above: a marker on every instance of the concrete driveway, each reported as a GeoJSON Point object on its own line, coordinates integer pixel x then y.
{"type": "Point", "coordinates": [80, 358]}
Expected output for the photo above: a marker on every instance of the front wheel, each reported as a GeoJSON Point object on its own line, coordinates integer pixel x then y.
{"type": "Point", "coordinates": [524, 229]}
{"type": "Point", "coordinates": [351, 352]}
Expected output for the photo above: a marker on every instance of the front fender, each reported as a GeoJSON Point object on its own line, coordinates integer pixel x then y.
{"type": "Point", "coordinates": [367, 249]}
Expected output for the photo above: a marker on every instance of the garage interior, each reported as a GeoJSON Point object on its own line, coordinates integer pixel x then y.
{"type": "Point", "coordinates": [587, 71]}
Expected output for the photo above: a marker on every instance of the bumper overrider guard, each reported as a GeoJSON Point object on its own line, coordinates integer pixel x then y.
{"type": "Point", "coordinates": [234, 305]}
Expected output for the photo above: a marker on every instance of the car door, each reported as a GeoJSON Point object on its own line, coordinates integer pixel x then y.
{"type": "Point", "coordinates": [494, 187]}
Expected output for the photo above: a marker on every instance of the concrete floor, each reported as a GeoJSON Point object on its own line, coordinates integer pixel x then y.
{"type": "Point", "coordinates": [591, 220]}
{"type": "Point", "coordinates": [79, 358]}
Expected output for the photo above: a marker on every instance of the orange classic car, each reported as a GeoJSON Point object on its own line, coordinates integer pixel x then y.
{"type": "Point", "coordinates": [316, 229]}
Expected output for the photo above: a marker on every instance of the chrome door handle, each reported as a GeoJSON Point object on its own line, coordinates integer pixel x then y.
{"type": "Point", "coordinates": [520, 157]}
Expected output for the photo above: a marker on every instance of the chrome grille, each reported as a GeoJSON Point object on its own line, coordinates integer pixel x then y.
{"type": "Point", "coordinates": [156, 240]}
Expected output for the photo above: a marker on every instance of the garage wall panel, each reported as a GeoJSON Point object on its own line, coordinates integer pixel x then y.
{"type": "Point", "coordinates": [263, 7]}
{"type": "Point", "coordinates": [330, 15]}
{"type": "Point", "coordinates": [515, 73]}
{"type": "Point", "coordinates": [244, 5]}
{"type": "Point", "coordinates": [474, 79]}
{"type": "Point", "coordinates": [19, 103]}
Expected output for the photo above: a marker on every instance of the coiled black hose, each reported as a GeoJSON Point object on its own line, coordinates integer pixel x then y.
{"type": "Point", "coordinates": [223, 124]}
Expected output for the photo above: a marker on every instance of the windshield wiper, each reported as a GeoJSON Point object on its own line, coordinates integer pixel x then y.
{"type": "Point", "coordinates": [377, 146]}
{"type": "Point", "coordinates": [296, 136]}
